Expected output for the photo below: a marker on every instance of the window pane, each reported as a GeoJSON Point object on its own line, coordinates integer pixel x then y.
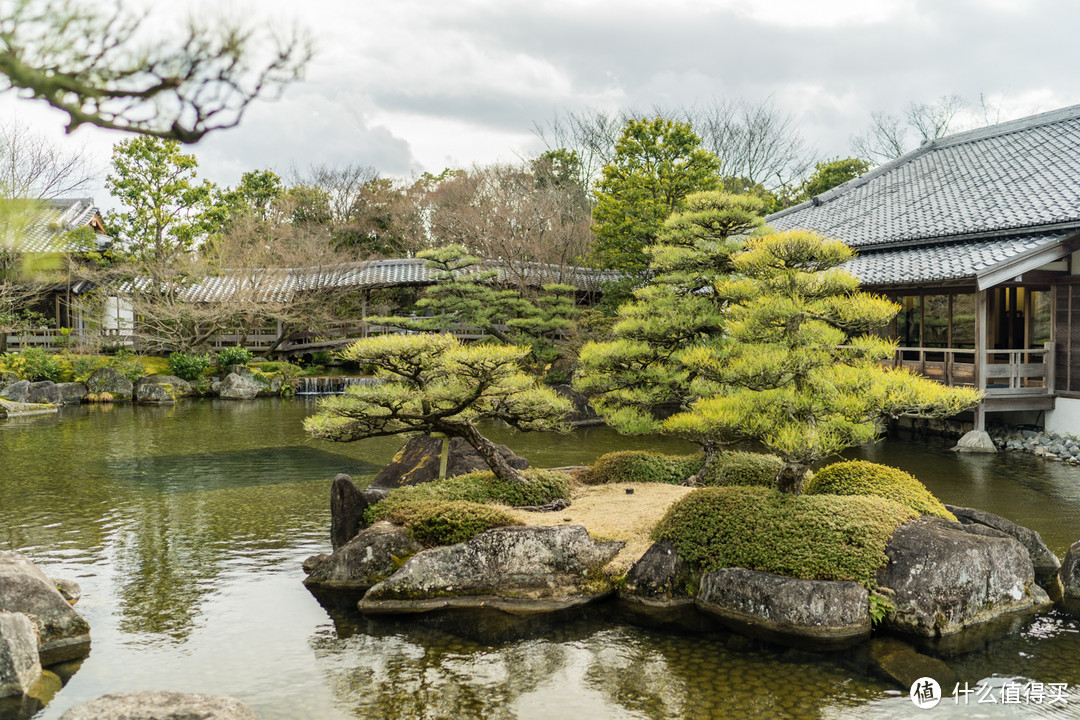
{"type": "Point", "coordinates": [1040, 317]}
{"type": "Point", "coordinates": [936, 321]}
{"type": "Point", "coordinates": [963, 321]}
{"type": "Point", "coordinates": [907, 321]}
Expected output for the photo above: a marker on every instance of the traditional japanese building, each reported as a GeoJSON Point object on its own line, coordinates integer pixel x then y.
{"type": "Point", "coordinates": [976, 236]}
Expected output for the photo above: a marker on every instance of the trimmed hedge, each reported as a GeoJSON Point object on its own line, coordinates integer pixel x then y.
{"type": "Point", "coordinates": [729, 468]}
{"type": "Point", "coordinates": [823, 537]}
{"type": "Point", "coordinates": [859, 477]}
{"type": "Point", "coordinates": [444, 523]}
{"type": "Point", "coordinates": [476, 488]}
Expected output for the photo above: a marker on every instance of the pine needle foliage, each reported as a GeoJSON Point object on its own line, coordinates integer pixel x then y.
{"type": "Point", "coordinates": [434, 383]}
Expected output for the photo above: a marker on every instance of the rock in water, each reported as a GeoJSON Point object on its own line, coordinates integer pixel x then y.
{"type": "Point", "coordinates": [108, 380]}
{"type": "Point", "coordinates": [818, 613]}
{"type": "Point", "coordinates": [949, 576]}
{"type": "Point", "coordinates": [19, 664]}
{"type": "Point", "coordinates": [18, 391]}
{"type": "Point", "coordinates": [237, 387]}
{"type": "Point", "coordinates": [1070, 579]}
{"type": "Point", "coordinates": [659, 577]}
{"type": "Point", "coordinates": [1044, 561]}
{"type": "Point", "coordinates": [347, 505]}
{"type": "Point", "coordinates": [519, 569]}
{"type": "Point", "coordinates": [72, 392]}
{"type": "Point", "coordinates": [976, 441]}
{"type": "Point", "coordinates": [46, 392]}
{"type": "Point", "coordinates": [583, 414]}
{"type": "Point", "coordinates": [161, 705]}
{"type": "Point", "coordinates": [418, 462]}
{"type": "Point", "coordinates": [63, 633]}
{"type": "Point", "coordinates": [372, 556]}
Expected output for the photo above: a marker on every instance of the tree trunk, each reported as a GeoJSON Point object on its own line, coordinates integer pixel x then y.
{"type": "Point", "coordinates": [697, 479]}
{"type": "Point", "coordinates": [791, 476]}
{"type": "Point", "coordinates": [489, 452]}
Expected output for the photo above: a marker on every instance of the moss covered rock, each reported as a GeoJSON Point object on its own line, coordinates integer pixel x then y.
{"type": "Point", "coordinates": [858, 477]}
{"type": "Point", "coordinates": [433, 523]}
{"type": "Point", "coordinates": [821, 537]}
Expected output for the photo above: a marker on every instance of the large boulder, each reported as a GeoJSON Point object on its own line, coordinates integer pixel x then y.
{"type": "Point", "coordinates": [162, 389]}
{"type": "Point", "coordinates": [237, 387]}
{"type": "Point", "coordinates": [1070, 579]}
{"type": "Point", "coordinates": [347, 506]}
{"type": "Point", "coordinates": [9, 408]}
{"type": "Point", "coordinates": [1044, 561]}
{"type": "Point", "coordinates": [659, 578]}
{"type": "Point", "coordinates": [19, 664]}
{"type": "Point", "coordinates": [72, 392]}
{"type": "Point", "coordinates": [45, 392]}
{"type": "Point", "coordinates": [63, 633]}
{"type": "Point", "coordinates": [18, 391]}
{"type": "Point", "coordinates": [947, 577]}
{"type": "Point", "coordinates": [161, 705]}
{"type": "Point", "coordinates": [518, 569]}
{"type": "Point", "coordinates": [372, 556]}
{"type": "Point", "coordinates": [417, 462]}
{"type": "Point", "coordinates": [818, 613]}
{"type": "Point", "coordinates": [108, 380]}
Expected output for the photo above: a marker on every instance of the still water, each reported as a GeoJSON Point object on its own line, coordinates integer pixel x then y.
{"type": "Point", "coordinates": [186, 527]}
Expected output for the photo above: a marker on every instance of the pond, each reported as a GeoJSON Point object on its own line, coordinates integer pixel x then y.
{"type": "Point", "coordinates": [186, 527]}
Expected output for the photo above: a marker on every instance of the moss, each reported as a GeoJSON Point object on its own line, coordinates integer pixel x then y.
{"type": "Point", "coordinates": [480, 487]}
{"type": "Point", "coordinates": [729, 468]}
{"type": "Point", "coordinates": [444, 523]}
{"type": "Point", "coordinates": [858, 477]}
{"type": "Point", "coordinates": [823, 537]}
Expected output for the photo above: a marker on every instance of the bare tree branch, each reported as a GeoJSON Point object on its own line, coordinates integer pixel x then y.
{"type": "Point", "coordinates": [102, 68]}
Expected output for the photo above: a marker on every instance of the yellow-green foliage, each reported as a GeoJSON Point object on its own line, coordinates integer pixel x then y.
{"type": "Point", "coordinates": [629, 466]}
{"type": "Point", "coordinates": [478, 487]}
{"type": "Point", "coordinates": [858, 477]}
{"type": "Point", "coordinates": [729, 468]}
{"type": "Point", "coordinates": [823, 537]}
{"type": "Point", "coordinates": [446, 522]}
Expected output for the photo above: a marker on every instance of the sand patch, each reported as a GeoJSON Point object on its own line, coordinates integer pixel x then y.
{"type": "Point", "coordinates": [609, 513]}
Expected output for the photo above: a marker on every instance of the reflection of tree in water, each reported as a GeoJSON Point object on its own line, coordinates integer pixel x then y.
{"type": "Point", "coordinates": [430, 674]}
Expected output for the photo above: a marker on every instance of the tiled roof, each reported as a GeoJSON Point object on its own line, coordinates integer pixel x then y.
{"type": "Point", "coordinates": [943, 262]}
{"type": "Point", "coordinates": [278, 285]}
{"type": "Point", "coordinates": [1008, 177]}
{"type": "Point", "coordinates": [55, 218]}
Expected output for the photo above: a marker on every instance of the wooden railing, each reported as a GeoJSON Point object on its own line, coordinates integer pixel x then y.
{"type": "Point", "coordinates": [1012, 372]}
{"type": "Point", "coordinates": [54, 339]}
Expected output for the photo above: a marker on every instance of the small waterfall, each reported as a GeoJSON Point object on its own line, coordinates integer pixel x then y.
{"type": "Point", "coordinates": [329, 385]}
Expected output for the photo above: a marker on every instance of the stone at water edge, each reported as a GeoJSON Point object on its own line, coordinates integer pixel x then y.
{"type": "Point", "coordinates": [816, 613]}
{"type": "Point", "coordinates": [18, 391]}
{"type": "Point", "coordinates": [903, 664]}
{"type": "Point", "coordinates": [520, 569]}
{"type": "Point", "coordinates": [1070, 579]}
{"type": "Point", "coordinates": [63, 633]}
{"type": "Point", "coordinates": [372, 556]}
{"type": "Point", "coordinates": [417, 462]}
{"type": "Point", "coordinates": [237, 387]}
{"type": "Point", "coordinates": [659, 577]}
{"type": "Point", "coordinates": [19, 664]}
{"type": "Point", "coordinates": [1044, 561]}
{"type": "Point", "coordinates": [161, 705]}
{"type": "Point", "coordinates": [72, 392]}
{"type": "Point", "coordinates": [109, 380]}
{"type": "Point", "coordinates": [947, 577]}
{"type": "Point", "coordinates": [347, 505]}
{"type": "Point", "coordinates": [976, 441]}
{"type": "Point", "coordinates": [46, 392]}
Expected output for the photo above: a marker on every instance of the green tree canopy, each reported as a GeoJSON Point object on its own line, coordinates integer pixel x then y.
{"type": "Point", "coordinates": [433, 383]}
{"type": "Point", "coordinates": [830, 173]}
{"type": "Point", "coordinates": [657, 163]}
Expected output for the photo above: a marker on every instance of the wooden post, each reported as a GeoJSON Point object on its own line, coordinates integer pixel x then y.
{"type": "Point", "coordinates": [444, 453]}
{"type": "Point", "coordinates": [981, 320]}
{"type": "Point", "coordinates": [363, 313]}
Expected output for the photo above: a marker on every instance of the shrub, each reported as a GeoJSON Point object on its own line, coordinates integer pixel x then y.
{"type": "Point", "coordinates": [188, 366]}
{"type": "Point", "coordinates": [859, 477]}
{"type": "Point", "coordinates": [729, 468]}
{"type": "Point", "coordinates": [478, 487]}
{"type": "Point", "coordinates": [83, 366]}
{"type": "Point", "coordinates": [233, 356]}
{"type": "Point", "coordinates": [127, 364]}
{"type": "Point", "coordinates": [640, 466]}
{"type": "Point", "coordinates": [445, 523]}
{"type": "Point", "coordinates": [40, 365]}
{"type": "Point", "coordinates": [823, 537]}
{"type": "Point", "coordinates": [744, 468]}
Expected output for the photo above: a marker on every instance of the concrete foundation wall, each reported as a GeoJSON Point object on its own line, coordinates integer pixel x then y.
{"type": "Point", "coordinates": [1064, 418]}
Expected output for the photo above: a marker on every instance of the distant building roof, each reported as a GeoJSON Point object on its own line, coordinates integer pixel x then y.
{"type": "Point", "coordinates": [956, 204]}
{"type": "Point", "coordinates": [47, 225]}
{"type": "Point", "coordinates": [270, 285]}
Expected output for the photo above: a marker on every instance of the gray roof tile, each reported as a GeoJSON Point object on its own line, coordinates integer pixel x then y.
{"type": "Point", "coordinates": [56, 217]}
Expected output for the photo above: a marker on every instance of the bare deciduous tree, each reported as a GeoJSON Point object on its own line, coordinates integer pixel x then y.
{"type": "Point", "coordinates": [33, 167]}
{"type": "Point", "coordinates": [889, 136]}
{"type": "Point", "coordinates": [106, 68]}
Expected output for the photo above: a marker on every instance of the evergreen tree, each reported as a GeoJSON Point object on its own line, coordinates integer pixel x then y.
{"type": "Point", "coordinates": [433, 383]}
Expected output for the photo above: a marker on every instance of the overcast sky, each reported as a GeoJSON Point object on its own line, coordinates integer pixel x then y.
{"type": "Point", "coordinates": [414, 85]}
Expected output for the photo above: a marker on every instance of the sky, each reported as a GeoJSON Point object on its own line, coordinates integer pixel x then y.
{"type": "Point", "coordinates": [407, 86]}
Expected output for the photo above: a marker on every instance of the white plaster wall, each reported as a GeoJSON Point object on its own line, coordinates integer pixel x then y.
{"type": "Point", "coordinates": [118, 315]}
{"type": "Point", "coordinates": [1065, 417]}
